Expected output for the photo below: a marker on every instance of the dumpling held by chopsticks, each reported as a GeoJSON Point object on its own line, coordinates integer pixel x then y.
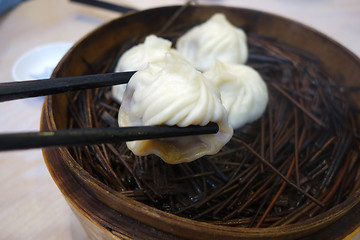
{"type": "Point", "coordinates": [173, 92]}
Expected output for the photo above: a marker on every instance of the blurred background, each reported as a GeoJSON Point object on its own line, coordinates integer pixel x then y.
{"type": "Point", "coordinates": [31, 206]}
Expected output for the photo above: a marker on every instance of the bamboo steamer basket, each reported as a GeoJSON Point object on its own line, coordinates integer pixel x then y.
{"type": "Point", "coordinates": [105, 213]}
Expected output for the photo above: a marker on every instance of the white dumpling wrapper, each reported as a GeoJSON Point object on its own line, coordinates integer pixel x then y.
{"type": "Point", "coordinates": [153, 49]}
{"type": "Point", "coordinates": [215, 39]}
{"type": "Point", "coordinates": [243, 92]}
{"type": "Point", "coordinates": [173, 92]}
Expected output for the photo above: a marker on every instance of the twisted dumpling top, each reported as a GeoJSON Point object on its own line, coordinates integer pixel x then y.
{"type": "Point", "coordinates": [172, 92]}
{"type": "Point", "coordinates": [243, 92]}
{"type": "Point", "coordinates": [153, 49]}
{"type": "Point", "coordinates": [215, 39]}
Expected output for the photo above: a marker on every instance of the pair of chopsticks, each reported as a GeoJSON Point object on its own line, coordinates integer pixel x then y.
{"type": "Point", "coordinates": [70, 137]}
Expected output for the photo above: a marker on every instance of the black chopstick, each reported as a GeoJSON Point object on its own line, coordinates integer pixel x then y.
{"type": "Point", "coordinates": [105, 5]}
{"type": "Point", "coordinates": [87, 136]}
{"type": "Point", "coordinates": [34, 88]}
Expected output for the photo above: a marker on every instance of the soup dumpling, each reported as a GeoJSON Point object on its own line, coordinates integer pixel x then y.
{"type": "Point", "coordinates": [243, 92]}
{"type": "Point", "coordinates": [173, 92]}
{"type": "Point", "coordinates": [215, 39]}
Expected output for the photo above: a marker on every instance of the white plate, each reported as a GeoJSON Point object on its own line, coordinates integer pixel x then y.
{"type": "Point", "coordinates": [39, 63]}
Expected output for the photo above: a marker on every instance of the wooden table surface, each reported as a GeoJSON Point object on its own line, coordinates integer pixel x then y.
{"type": "Point", "coordinates": [31, 206]}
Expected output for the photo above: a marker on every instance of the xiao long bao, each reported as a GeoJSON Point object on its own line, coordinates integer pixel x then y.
{"type": "Point", "coordinates": [214, 40]}
{"type": "Point", "coordinates": [172, 92]}
{"type": "Point", "coordinates": [243, 92]}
